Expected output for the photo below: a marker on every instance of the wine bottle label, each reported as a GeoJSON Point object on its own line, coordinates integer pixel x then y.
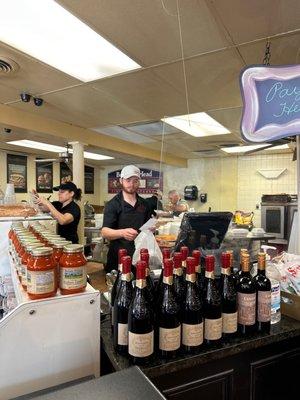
{"type": "Point", "coordinates": [191, 277]}
{"type": "Point", "coordinates": [169, 339]}
{"type": "Point", "coordinates": [168, 280]}
{"type": "Point", "coordinates": [263, 306]}
{"type": "Point", "coordinates": [246, 308]}
{"type": "Point", "coordinates": [225, 271]}
{"type": "Point", "coordinates": [126, 277]}
{"type": "Point", "coordinates": [140, 345]}
{"type": "Point", "coordinates": [192, 335]}
{"type": "Point", "coordinates": [123, 334]}
{"type": "Point", "coordinates": [213, 328]}
{"type": "Point", "coordinates": [140, 283]}
{"type": "Point", "coordinates": [40, 282]}
{"type": "Point", "coordinates": [178, 271]}
{"type": "Point", "coordinates": [72, 278]}
{"type": "Point", "coordinates": [229, 322]}
{"type": "Point", "coordinates": [209, 274]}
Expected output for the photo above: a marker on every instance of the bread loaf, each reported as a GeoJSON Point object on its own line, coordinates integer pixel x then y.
{"type": "Point", "coordinates": [17, 211]}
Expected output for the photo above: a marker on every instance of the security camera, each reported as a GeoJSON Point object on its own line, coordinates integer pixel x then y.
{"type": "Point", "coordinates": [7, 130]}
{"type": "Point", "coordinates": [38, 101]}
{"type": "Point", "coordinates": [25, 97]}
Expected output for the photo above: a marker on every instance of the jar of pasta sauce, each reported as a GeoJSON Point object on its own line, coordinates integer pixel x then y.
{"type": "Point", "coordinates": [57, 247]}
{"type": "Point", "coordinates": [28, 247]}
{"type": "Point", "coordinates": [41, 274]}
{"type": "Point", "coordinates": [72, 266]}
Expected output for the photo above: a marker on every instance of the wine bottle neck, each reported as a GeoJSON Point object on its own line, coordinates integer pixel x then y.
{"type": "Point", "coordinates": [190, 278]}
{"type": "Point", "coordinates": [198, 269]}
{"type": "Point", "coordinates": [178, 271]}
{"type": "Point", "coordinates": [261, 271]}
{"type": "Point", "coordinates": [209, 275]}
{"type": "Point", "coordinates": [226, 271]}
{"type": "Point", "coordinates": [140, 283]}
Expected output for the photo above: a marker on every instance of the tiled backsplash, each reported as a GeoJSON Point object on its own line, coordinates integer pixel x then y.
{"type": "Point", "coordinates": [251, 185]}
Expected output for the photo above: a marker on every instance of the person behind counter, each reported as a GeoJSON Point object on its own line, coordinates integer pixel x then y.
{"type": "Point", "coordinates": [176, 204]}
{"type": "Point", "coordinates": [124, 214]}
{"type": "Point", "coordinates": [154, 202]}
{"type": "Point", "coordinates": [65, 210]}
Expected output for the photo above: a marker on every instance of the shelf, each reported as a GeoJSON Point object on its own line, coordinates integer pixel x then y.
{"type": "Point", "coordinates": [37, 217]}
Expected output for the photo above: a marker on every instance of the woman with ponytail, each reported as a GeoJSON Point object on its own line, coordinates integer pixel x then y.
{"type": "Point", "coordinates": [65, 210]}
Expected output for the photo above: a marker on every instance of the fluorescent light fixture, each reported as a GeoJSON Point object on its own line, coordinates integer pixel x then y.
{"type": "Point", "coordinates": [279, 147]}
{"type": "Point", "coordinates": [198, 124]}
{"type": "Point", "coordinates": [56, 149]}
{"type": "Point", "coordinates": [48, 32]}
{"type": "Point", "coordinates": [95, 156]}
{"type": "Point", "coordinates": [242, 149]}
{"type": "Point", "coordinates": [38, 145]}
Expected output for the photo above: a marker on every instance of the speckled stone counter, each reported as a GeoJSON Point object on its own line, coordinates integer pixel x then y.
{"type": "Point", "coordinates": [285, 329]}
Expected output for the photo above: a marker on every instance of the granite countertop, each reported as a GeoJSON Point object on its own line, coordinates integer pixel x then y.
{"type": "Point", "coordinates": [109, 387]}
{"type": "Point", "coordinates": [285, 329]}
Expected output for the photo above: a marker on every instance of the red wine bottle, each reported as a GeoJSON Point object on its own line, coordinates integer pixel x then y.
{"type": "Point", "coordinates": [140, 321]}
{"type": "Point", "coordinates": [212, 309]}
{"type": "Point", "coordinates": [168, 315]}
{"type": "Point", "coordinates": [184, 250]}
{"type": "Point", "coordinates": [199, 273]}
{"type": "Point", "coordinates": [263, 296]}
{"type": "Point", "coordinates": [166, 253]}
{"type": "Point", "coordinates": [246, 293]}
{"type": "Point", "coordinates": [150, 286]}
{"type": "Point", "coordinates": [229, 298]}
{"type": "Point", "coordinates": [115, 288]}
{"type": "Point", "coordinates": [179, 282]}
{"type": "Point", "coordinates": [192, 315]}
{"type": "Point", "coordinates": [121, 307]}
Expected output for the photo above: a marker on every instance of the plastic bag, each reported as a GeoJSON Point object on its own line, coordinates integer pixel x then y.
{"type": "Point", "coordinates": [146, 240]}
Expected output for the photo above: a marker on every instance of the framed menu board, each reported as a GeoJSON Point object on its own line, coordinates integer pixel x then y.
{"type": "Point", "coordinates": [44, 177]}
{"type": "Point", "coordinates": [65, 173]}
{"type": "Point", "coordinates": [17, 172]}
{"type": "Point", "coordinates": [88, 179]}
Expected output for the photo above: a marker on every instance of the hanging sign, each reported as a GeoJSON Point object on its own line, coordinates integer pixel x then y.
{"type": "Point", "coordinates": [150, 181]}
{"type": "Point", "coordinates": [271, 99]}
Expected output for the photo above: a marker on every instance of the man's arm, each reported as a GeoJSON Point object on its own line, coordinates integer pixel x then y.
{"type": "Point", "coordinates": [113, 234]}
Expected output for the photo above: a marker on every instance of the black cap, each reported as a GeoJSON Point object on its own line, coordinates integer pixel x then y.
{"type": "Point", "coordinates": [66, 186]}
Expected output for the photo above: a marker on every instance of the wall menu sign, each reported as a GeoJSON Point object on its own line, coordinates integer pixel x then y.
{"type": "Point", "coordinates": [271, 97]}
{"type": "Point", "coordinates": [150, 181]}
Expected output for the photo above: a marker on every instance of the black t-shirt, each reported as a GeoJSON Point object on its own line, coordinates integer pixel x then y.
{"type": "Point", "coordinates": [69, 231]}
{"type": "Point", "coordinates": [154, 204]}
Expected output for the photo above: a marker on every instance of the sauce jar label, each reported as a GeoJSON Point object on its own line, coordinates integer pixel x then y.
{"type": "Point", "coordinates": [72, 278]}
{"type": "Point", "coordinates": [40, 282]}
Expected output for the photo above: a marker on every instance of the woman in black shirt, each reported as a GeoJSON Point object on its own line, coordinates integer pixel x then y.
{"type": "Point", "coordinates": [65, 210]}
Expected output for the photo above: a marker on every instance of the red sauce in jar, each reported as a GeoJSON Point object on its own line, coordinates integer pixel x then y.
{"type": "Point", "coordinates": [72, 270]}
{"type": "Point", "coordinates": [41, 279]}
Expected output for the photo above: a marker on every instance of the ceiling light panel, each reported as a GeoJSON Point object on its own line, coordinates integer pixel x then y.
{"type": "Point", "coordinates": [48, 32]}
{"type": "Point", "coordinates": [198, 124]}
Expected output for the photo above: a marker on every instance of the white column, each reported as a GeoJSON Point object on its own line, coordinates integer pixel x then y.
{"type": "Point", "coordinates": [78, 179]}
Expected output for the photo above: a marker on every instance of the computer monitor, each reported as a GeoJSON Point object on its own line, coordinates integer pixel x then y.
{"type": "Point", "coordinates": [205, 231]}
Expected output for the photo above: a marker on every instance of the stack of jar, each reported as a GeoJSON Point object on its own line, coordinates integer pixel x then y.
{"type": "Point", "coordinates": [45, 261]}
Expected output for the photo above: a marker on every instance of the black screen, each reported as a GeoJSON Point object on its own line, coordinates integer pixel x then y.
{"type": "Point", "coordinates": [273, 219]}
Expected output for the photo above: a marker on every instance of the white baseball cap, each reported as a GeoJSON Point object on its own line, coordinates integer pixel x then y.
{"type": "Point", "coordinates": [129, 171]}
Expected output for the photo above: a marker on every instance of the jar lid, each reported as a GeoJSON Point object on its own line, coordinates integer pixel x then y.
{"type": "Point", "coordinates": [73, 248]}
{"type": "Point", "coordinates": [42, 251]}
{"type": "Point", "coordinates": [32, 246]}
{"type": "Point", "coordinates": [60, 244]}
{"type": "Point", "coordinates": [29, 240]}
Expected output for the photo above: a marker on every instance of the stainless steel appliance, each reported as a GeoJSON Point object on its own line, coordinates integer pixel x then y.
{"type": "Point", "coordinates": [277, 214]}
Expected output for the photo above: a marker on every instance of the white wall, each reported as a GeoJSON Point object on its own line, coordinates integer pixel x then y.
{"type": "Point", "coordinates": [92, 198]}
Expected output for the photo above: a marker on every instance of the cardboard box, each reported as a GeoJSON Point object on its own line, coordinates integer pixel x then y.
{"type": "Point", "coordinates": [290, 305]}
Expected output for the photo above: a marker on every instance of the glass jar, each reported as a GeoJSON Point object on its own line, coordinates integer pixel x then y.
{"type": "Point", "coordinates": [58, 247]}
{"type": "Point", "coordinates": [72, 266]}
{"type": "Point", "coordinates": [28, 247]}
{"type": "Point", "coordinates": [41, 274]}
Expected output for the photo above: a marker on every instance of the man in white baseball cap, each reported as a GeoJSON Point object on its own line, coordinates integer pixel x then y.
{"type": "Point", "coordinates": [124, 214]}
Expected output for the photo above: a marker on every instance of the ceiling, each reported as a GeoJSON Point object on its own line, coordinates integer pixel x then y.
{"type": "Point", "coordinates": [218, 39]}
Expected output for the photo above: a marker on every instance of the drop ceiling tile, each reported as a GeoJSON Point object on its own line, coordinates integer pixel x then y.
{"type": "Point", "coordinates": [123, 133]}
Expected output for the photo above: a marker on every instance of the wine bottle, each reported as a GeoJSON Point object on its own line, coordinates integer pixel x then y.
{"type": "Point", "coordinates": [246, 295]}
{"type": "Point", "coordinates": [212, 305]}
{"type": "Point", "coordinates": [199, 273]}
{"type": "Point", "coordinates": [192, 315]}
{"type": "Point", "coordinates": [121, 307]}
{"type": "Point", "coordinates": [168, 315]}
{"type": "Point", "coordinates": [263, 296]}
{"type": "Point", "coordinates": [228, 298]}
{"type": "Point", "coordinates": [140, 321]}
{"type": "Point", "coordinates": [238, 274]}
{"type": "Point", "coordinates": [179, 283]}
{"type": "Point", "coordinates": [233, 274]}
{"type": "Point", "coordinates": [184, 250]}
{"type": "Point", "coordinates": [116, 285]}
{"type": "Point", "coordinates": [166, 253]}
{"type": "Point", "coordinates": [150, 286]}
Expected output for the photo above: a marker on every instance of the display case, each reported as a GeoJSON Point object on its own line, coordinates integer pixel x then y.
{"type": "Point", "coordinates": [47, 342]}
